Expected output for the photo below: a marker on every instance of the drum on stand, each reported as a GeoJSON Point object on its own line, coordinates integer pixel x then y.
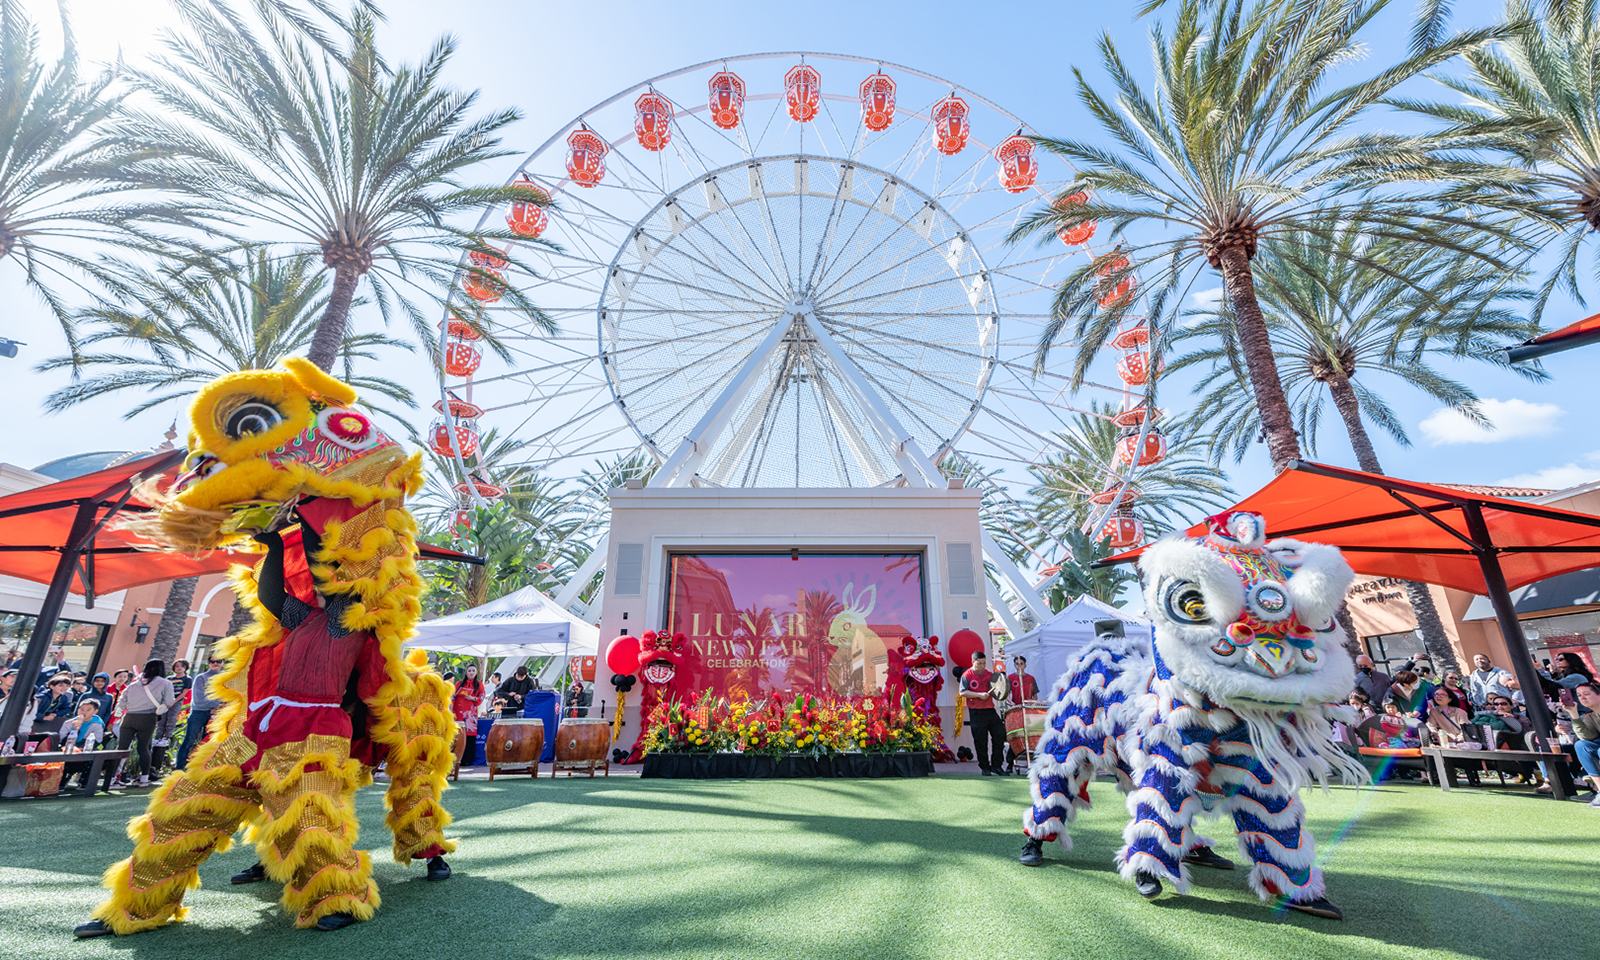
{"type": "Point", "coordinates": [515, 742]}
{"type": "Point", "coordinates": [1025, 725]}
{"type": "Point", "coordinates": [583, 742]}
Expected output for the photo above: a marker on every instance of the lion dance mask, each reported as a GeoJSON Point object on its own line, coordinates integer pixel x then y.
{"type": "Point", "coordinates": [1228, 712]}
{"type": "Point", "coordinates": [316, 692]}
{"type": "Point", "coordinates": [922, 672]}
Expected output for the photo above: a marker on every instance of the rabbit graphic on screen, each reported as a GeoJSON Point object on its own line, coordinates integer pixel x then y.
{"type": "Point", "coordinates": [855, 613]}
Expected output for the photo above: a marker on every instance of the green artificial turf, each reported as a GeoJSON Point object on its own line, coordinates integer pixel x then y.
{"type": "Point", "coordinates": [861, 870]}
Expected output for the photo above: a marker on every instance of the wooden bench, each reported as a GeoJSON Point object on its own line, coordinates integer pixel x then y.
{"type": "Point", "coordinates": [1561, 785]}
{"type": "Point", "coordinates": [102, 765]}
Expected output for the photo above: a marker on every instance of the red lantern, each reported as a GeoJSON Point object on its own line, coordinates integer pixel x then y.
{"type": "Point", "coordinates": [485, 285]}
{"type": "Point", "coordinates": [802, 90]}
{"type": "Point", "coordinates": [527, 219]}
{"type": "Point", "coordinates": [1134, 369]}
{"type": "Point", "coordinates": [487, 260]}
{"type": "Point", "coordinates": [726, 95]}
{"type": "Point", "coordinates": [1080, 233]}
{"type": "Point", "coordinates": [461, 359]}
{"type": "Point", "coordinates": [462, 519]}
{"type": "Point", "coordinates": [1123, 531]}
{"type": "Point", "coordinates": [586, 157]}
{"type": "Point", "coordinates": [652, 121]}
{"type": "Point", "coordinates": [950, 125]}
{"type": "Point", "coordinates": [484, 488]}
{"type": "Point", "coordinates": [466, 436]}
{"type": "Point", "coordinates": [460, 329]}
{"type": "Point", "coordinates": [1154, 449]}
{"type": "Point", "coordinates": [877, 102]}
{"type": "Point", "coordinates": [622, 655]}
{"type": "Point", "coordinates": [1108, 496]}
{"type": "Point", "coordinates": [1018, 168]}
{"type": "Point", "coordinates": [963, 644]}
{"type": "Point", "coordinates": [1133, 338]}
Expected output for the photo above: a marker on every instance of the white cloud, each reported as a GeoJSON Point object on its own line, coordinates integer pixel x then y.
{"type": "Point", "coordinates": [1508, 420]}
{"type": "Point", "coordinates": [1207, 298]}
{"type": "Point", "coordinates": [1559, 478]}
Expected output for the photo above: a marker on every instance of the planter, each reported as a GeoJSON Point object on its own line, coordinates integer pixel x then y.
{"type": "Point", "coordinates": [739, 766]}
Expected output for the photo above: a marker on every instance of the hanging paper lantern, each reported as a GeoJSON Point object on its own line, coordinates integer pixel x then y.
{"type": "Point", "coordinates": [1134, 368]}
{"type": "Point", "coordinates": [726, 92]}
{"type": "Point", "coordinates": [950, 125]}
{"type": "Point", "coordinates": [1018, 168]}
{"type": "Point", "coordinates": [1154, 449]}
{"type": "Point", "coordinates": [877, 102]}
{"type": "Point", "coordinates": [466, 436]}
{"type": "Point", "coordinates": [1133, 338]}
{"type": "Point", "coordinates": [802, 90]}
{"type": "Point", "coordinates": [1080, 233]}
{"type": "Point", "coordinates": [485, 489]}
{"type": "Point", "coordinates": [461, 358]}
{"type": "Point", "coordinates": [652, 121]}
{"type": "Point", "coordinates": [460, 329]}
{"type": "Point", "coordinates": [1123, 531]}
{"type": "Point", "coordinates": [527, 219]}
{"type": "Point", "coordinates": [586, 157]}
{"type": "Point", "coordinates": [485, 285]}
{"type": "Point", "coordinates": [1108, 496]}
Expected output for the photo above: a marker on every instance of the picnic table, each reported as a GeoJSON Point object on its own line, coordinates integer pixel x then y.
{"type": "Point", "coordinates": [102, 765]}
{"type": "Point", "coordinates": [1561, 785]}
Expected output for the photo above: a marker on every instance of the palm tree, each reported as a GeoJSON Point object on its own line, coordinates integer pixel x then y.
{"type": "Point", "coordinates": [1534, 99]}
{"type": "Point", "coordinates": [1245, 138]}
{"type": "Point", "coordinates": [1331, 346]}
{"type": "Point", "coordinates": [271, 136]}
{"type": "Point", "coordinates": [50, 204]}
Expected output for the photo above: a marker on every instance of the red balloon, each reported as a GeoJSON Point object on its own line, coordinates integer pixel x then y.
{"type": "Point", "coordinates": [963, 644]}
{"type": "Point", "coordinates": [622, 655]}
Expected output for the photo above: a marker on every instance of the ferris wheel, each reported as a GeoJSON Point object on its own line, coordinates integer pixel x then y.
{"type": "Point", "coordinates": [786, 270]}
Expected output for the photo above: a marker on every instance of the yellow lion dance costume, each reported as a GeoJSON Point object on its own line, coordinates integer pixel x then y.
{"type": "Point", "coordinates": [316, 692]}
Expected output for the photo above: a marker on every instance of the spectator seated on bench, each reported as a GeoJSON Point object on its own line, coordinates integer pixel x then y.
{"type": "Point", "coordinates": [83, 732]}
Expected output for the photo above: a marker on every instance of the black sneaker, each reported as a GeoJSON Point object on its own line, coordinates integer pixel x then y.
{"type": "Point", "coordinates": [1319, 907]}
{"type": "Point", "coordinates": [1148, 885]}
{"type": "Point", "coordinates": [336, 921]}
{"type": "Point", "coordinates": [1032, 853]}
{"type": "Point", "coordinates": [438, 869]}
{"type": "Point", "coordinates": [254, 874]}
{"type": "Point", "coordinates": [1207, 857]}
{"type": "Point", "coordinates": [94, 928]}
{"type": "Point", "coordinates": [988, 773]}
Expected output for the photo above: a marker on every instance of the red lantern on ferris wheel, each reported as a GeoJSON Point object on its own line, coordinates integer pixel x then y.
{"type": "Point", "coordinates": [877, 102]}
{"type": "Point", "coordinates": [726, 98]}
{"type": "Point", "coordinates": [950, 125]}
{"type": "Point", "coordinates": [1018, 169]}
{"type": "Point", "coordinates": [1123, 530]}
{"type": "Point", "coordinates": [527, 219]}
{"type": "Point", "coordinates": [652, 121]}
{"type": "Point", "coordinates": [461, 358]}
{"type": "Point", "coordinates": [465, 435]}
{"type": "Point", "coordinates": [1134, 368]}
{"type": "Point", "coordinates": [484, 284]}
{"type": "Point", "coordinates": [586, 157]}
{"type": "Point", "coordinates": [1079, 233]}
{"type": "Point", "coordinates": [802, 91]}
{"type": "Point", "coordinates": [1153, 450]}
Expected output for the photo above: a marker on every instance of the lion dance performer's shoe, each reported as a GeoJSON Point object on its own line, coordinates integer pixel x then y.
{"type": "Point", "coordinates": [1032, 853]}
{"type": "Point", "coordinates": [283, 459]}
{"type": "Point", "coordinates": [1226, 712]}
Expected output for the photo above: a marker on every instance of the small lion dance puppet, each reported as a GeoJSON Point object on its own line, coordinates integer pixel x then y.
{"type": "Point", "coordinates": [922, 672]}
{"type": "Point", "coordinates": [1227, 713]}
{"type": "Point", "coordinates": [662, 659]}
{"type": "Point", "coordinates": [316, 692]}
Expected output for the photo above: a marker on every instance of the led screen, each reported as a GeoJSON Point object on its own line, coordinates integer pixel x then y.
{"type": "Point", "coordinates": [772, 623]}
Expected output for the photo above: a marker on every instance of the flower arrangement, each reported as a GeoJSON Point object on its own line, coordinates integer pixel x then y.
{"type": "Point", "coordinates": [806, 725]}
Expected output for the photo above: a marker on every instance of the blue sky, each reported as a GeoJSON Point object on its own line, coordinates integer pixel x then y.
{"type": "Point", "coordinates": [552, 61]}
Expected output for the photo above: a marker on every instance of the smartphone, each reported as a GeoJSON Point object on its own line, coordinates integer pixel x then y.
{"type": "Point", "coordinates": [1566, 697]}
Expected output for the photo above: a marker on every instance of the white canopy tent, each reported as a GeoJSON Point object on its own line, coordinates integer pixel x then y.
{"type": "Point", "coordinates": [522, 624]}
{"type": "Point", "coordinates": [1054, 644]}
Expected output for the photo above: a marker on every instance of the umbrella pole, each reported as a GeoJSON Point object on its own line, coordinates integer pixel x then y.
{"type": "Point", "coordinates": [1505, 614]}
{"type": "Point", "coordinates": [45, 625]}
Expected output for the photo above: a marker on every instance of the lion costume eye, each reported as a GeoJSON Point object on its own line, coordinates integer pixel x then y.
{"type": "Point", "coordinates": [251, 418]}
{"type": "Point", "coordinates": [1183, 602]}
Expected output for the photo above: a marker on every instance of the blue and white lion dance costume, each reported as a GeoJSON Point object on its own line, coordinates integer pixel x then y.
{"type": "Point", "coordinates": [1228, 712]}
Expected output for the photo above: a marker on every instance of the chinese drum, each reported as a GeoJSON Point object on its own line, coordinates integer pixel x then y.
{"type": "Point", "coordinates": [583, 742]}
{"type": "Point", "coordinates": [1025, 725]}
{"type": "Point", "coordinates": [514, 742]}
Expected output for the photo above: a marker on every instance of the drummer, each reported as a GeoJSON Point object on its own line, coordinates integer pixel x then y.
{"type": "Point", "coordinates": [1023, 685]}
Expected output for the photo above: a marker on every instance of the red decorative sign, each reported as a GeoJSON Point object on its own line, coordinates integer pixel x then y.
{"type": "Point", "coordinates": [821, 624]}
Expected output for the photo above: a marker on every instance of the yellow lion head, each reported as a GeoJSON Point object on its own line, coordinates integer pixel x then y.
{"type": "Point", "coordinates": [262, 441]}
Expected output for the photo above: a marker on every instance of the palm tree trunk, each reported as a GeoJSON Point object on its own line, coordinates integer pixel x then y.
{"type": "Point", "coordinates": [1283, 444]}
{"type": "Point", "coordinates": [1434, 639]}
{"type": "Point", "coordinates": [239, 619]}
{"type": "Point", "coordinates": [173, 618]}
{"type": "Point", "coordinates": [331, 328]}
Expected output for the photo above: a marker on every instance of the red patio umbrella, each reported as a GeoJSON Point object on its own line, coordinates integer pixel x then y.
{"type": "Point", "coordinates": [1578, 334]}
{"type": "Point", "coordinates": [1430, 533]}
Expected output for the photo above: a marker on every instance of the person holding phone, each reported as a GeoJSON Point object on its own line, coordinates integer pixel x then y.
{"type": "Point", "coordinates": [1581, 705]}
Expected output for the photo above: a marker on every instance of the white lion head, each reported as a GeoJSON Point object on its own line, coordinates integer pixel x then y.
{"type": "Point", "coordinates": [1242, 619]}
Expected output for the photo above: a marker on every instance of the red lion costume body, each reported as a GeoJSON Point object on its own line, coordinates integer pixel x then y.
{"type": "Point", "coordinates": [922, 669]}
{"type": "Point", "coordinates": [661, 659]}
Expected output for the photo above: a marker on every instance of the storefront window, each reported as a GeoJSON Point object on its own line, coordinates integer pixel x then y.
{"type": "Point", "coordinates": [1577, 633]}
{"type": "Point", "coordinates": [76, 642]}
{"type": "Point", "coordinates": [1390, 651]}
